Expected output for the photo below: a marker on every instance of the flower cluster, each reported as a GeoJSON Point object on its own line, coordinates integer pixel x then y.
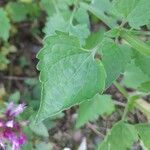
{"type": "Point", "coordinates": [10, 129]}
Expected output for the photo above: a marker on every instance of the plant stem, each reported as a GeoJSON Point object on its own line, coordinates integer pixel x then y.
{"type": "Point", "coordinates": [73, 12]}
{"type": "Point", "coordinates": [121, 89]}
{"type": "Point", "coordinates": [126, 95]}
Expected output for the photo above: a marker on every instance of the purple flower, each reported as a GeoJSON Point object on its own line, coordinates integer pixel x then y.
{"type": "Point", "coordinates": [10, 129]}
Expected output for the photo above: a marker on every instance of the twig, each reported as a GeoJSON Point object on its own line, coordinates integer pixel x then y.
{"type": "Point", "coordinates": [16, 78]}
{"type": "Point", "coordinates": [94, 129]}
{"type": "Point", "coordinates": [119, 103]}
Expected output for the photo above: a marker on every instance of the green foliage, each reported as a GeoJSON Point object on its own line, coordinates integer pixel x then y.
{"type": "Point", "coordinates": [73, 74]}
{"type": "Point", "coordinates": [92, 108]}
{"type": "Point", "coordinates": [76, 66]}
{"type": "Point", "coordinates": [144, 134]}
{"type": "Point", "coordinates": [57, 22]}
{"type": "Point", "coordinates": [121, 137]}
{"type": "Point", "coordinates": [4, 52]}
{"type": "Point", "coordinates": [114, 56]}
{"type": "Point", "coordinates": [4, 25]}
{"type": "Point", "coordinates": [134, 77]}
{"type": "Point", "coordinates": [19, 11]}
{"type": "Point", "coordinates": [136, 14]}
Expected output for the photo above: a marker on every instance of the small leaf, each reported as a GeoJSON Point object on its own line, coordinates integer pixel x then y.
{"type": "Point", "coordinates": [44, 146]}
{"type": "Point", "coordinates": [57, 22]}
{"type": "Point", "coordinates": [69, 74]}
{"type": "Point", "coordinates": [121, 137]}
{"type": "Point", "coordinates": [143, 62]}
{"type": "Point", "coordinates": [133, 76]}
{"type": "Point", "coordinates": [103, 10]}
{"type": "Point", "coordinates": [4, 25]}
{"type": "Point", "coordinates": [95, 38]}
{"type": "Point", "coordinates": [39, 129]}
{"type": "Point", "coordinates": [144, 133]}
{"type": "Point", "coordinates": [140, 15]}
{"type": "Point", "coordinates": [115, 58]}
{"type": "Point", "coordinates": [17, 11]}
{"type": "Point", "coordinates": [123, 8]}
{"type": "Point", "coordinates": [91, 109]}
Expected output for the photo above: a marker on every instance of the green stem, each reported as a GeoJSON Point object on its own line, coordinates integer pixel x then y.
{"type": "Point", "coordinates": [126, 95]}
{"type": "Point", "coordinates": [136, 43]}
{"type": "Point", "coordinates": [121, 89]}
{"type": "Point", "coordinates": [74, 11]}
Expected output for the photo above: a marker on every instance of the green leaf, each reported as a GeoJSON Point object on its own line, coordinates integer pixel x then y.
{"type": "Point", "coordinates": [17, 11]}
{"type": "Point", "coordinates": [143, 62]}
{"type": "Point", "coordinates": [15, 97]}
{"type": "Point", "coordinates": [53, 6]}
{"type": "Point", "coordinates": [39, 129]}
{"type": "Point", "coordinates": [91, 109]}
{"type": "Point", "coordinates": [123, 8]}
{"type": "Point", "coordinates": [121, 137]}
{"type": "Point", "coordinates": [114, 58]}
{"type": "Point", "coordinates": [145, 87]}
{"type": "Point", "coordinates": [136, 12]}
{"type": "Point", "coordinates": [133, 76]}
{"type": "Point", "coordinates": [103, 10]}
{"type": "Point", "coordinates": [44, 146]}
{"type": "Point", "coordinates": [94, 39]}
{"type": "Point", "coordinates": [69, 74]}
{"type": "Point", "coordinates": [57, 22]}
{"type": "Point", "coordinates": [4, 25]}
{"type": "Point", "coordinates": [144, 133]}
{"type": "Point", "coordinates": [82, 16]}
{"type": "Point", "coordinates": [140, 15]}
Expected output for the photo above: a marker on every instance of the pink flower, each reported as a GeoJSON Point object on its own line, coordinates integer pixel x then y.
{"type": "Point", "coordinates": [10, 129]}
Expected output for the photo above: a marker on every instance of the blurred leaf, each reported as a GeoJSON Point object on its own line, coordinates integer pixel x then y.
{"type": "Point", "coordinates": [31, 81]}
{"type": "Point", "coordinates": [121, 137]}
{"type": "Point", "coordinates": [44, 146]}
{"type": "Point", "coordinates": [53, 6]}
{"type": "Point", "coordinates": [114, 56]}
{"type": "Point", "coordinates": [145, 87]}
{"type": "Point", "coordinates": [90, 110]}
{"type": "Point", "coordinates": [143, 62]}
{"type": "Point", "coordinates": [133, 76]}
{"type": "Point", "coordinates": [57, 22]}
{"type": "Point", "coordinates": [123, 8]}
{"type": "Point", "coordinates": [4, 25]}
{"type": "Point", "coordinates": [16, 11]}
{"type": "Point", "coordinates": [39, 129]}
{"type": "Point", "coordinates": [95, 38]}
{"type": "Point", "coordinates": [82, 16]}
{"type": "Point", "coordinates": [15, 97]}
{"type": "Point", "coordinates": [103, 10]}
{"type": "Point", "coordinates": [2, 91]}
{"type": "Point", "coordinates": [144, 133]}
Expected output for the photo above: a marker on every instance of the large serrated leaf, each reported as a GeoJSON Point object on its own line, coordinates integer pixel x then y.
{"type": "Point", "coordinates": [69, 75]}
{"type": "Point", "coordinates": [91, 109]}
{"type": "Point", "coordinates": [121, 137]}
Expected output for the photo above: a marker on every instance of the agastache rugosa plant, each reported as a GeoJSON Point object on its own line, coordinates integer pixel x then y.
{"type": "Point", "coordinates": [10, 129]}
